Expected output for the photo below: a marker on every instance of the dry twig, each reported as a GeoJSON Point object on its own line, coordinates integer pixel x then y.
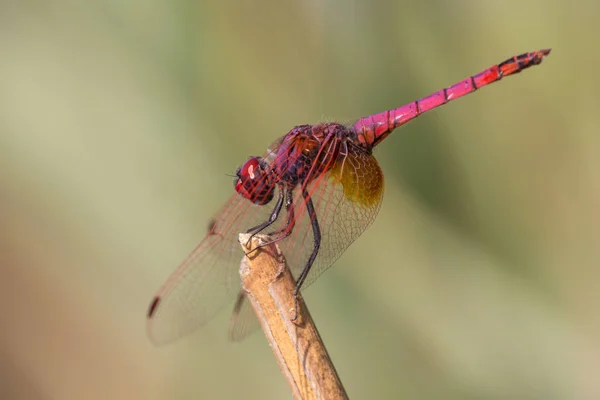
{"type": "Point", "coordinates": [300, 352]}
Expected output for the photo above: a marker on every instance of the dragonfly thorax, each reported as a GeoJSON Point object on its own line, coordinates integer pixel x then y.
{"type": "Point", "coordinates": [308, 151]}
{"type": "Point", "coordinates": [254, 182]}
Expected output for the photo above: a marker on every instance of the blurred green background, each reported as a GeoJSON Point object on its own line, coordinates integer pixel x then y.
{"type": "Point", "coordinates": [121, 120]}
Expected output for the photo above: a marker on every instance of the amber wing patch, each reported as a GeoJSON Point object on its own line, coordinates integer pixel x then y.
{"type": "Point", "coordinates": [361, 178]}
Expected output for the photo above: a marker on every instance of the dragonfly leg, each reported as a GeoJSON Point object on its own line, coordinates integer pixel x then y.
{"type": "Point", "coordinates": [317, 238]}
{"type": "Point", "coordinates": [272, 218]}
{"type": "Point", "coordinates": [286, 231]}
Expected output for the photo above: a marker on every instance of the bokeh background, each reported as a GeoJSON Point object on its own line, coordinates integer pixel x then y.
{"type": "Point", "coordinates": [121, 120]}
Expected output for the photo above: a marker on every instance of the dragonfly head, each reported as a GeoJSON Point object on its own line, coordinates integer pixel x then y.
{"type": "Point", "coordinates": [254, 182]}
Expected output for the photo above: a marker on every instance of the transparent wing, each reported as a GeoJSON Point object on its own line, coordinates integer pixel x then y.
{"type": "Point", "coordinates": [208, 278]}
{"type": "Point", "coordinates": [243, 319]}
{"type": "Point", "coordinates": [346, 199]}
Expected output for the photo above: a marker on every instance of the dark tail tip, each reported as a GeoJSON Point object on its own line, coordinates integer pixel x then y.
{"type": "Point", "coordinates": [539, 55]}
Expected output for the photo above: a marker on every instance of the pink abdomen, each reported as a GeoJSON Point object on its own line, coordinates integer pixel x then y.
{"type": "Point", "coordinates": [373, 129]}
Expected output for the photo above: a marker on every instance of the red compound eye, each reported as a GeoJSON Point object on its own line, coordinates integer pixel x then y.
{"type": "Point", "coordinates": [253, 182]}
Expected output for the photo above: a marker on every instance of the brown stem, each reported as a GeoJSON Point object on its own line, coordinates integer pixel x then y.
{"type": "Point", "coordinates": [300, 352]}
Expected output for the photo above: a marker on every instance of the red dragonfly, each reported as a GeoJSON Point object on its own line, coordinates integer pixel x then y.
{"type": "Point", "coordinates": [331, 187]}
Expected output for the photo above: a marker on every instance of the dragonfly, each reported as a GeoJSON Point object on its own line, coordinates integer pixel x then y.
{"type": "Point", "coordinates": [314, 192]}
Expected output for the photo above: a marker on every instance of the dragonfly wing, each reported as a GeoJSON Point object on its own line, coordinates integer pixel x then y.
{"type": "Point", "coordinates": [347, 199]}
{"type": "Point", "coordinates": [207, 279]}
{"type": "Point", "coordinates": [243, 319]}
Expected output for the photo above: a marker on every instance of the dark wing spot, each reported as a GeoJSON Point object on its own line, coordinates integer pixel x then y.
{"type": "Point", "coordinates": [153, 306]}
{"type": "Point", "coordinates": [211, 226]}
